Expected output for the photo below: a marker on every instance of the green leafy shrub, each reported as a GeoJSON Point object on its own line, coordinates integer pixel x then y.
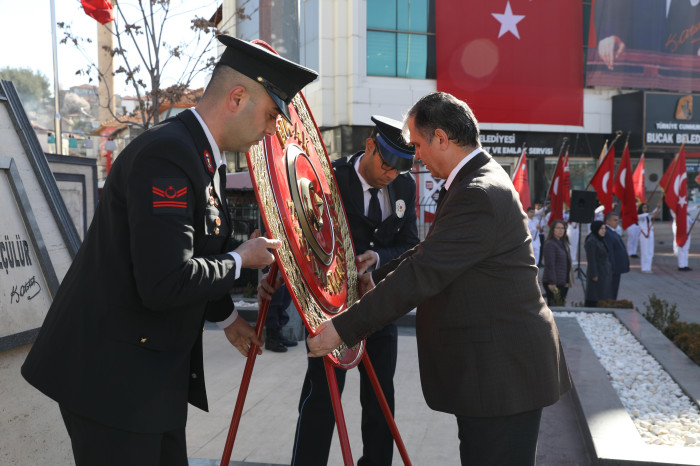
{"type": "Point", "coordinates": [616, 304]}
{"type": "Point", "coordinates": [689, 343]}
{"type": "Point", "coordinates": [660, 313]}
{"type": "Point", "coordinates": [676, 328]}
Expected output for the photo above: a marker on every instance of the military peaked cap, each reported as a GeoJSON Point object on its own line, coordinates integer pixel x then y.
{"type": "Point", "coordinates": [281, 78]}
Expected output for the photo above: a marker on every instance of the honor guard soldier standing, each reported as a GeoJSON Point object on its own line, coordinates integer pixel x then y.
{"type": "Point", "coordinates": [121, 347]}
{"type": "Point", "coordinates": [379, 197]}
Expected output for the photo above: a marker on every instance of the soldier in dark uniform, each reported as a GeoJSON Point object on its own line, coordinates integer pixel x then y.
{"type": "Point", "coordinates": [121, 347]}
{"type": "Point", "coordinates": [379, 197]}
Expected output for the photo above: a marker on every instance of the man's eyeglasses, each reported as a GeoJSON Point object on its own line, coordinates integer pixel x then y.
{"type": "Point", "coordinates": [385, 166]}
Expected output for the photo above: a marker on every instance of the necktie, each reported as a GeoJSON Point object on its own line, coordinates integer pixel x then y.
{"type": "Point", "coordinates": [374, 211]}
{"type": "Point", "coordinates": [441, 196]}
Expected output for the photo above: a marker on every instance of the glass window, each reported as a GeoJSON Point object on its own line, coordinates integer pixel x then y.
{"type": "Point", "coordinates": [401, 38]}
{"type": "Point", "coordinates": [381, 53]}
{"type": "Point", "coordinates": [381, 14]}
{"type": "Point", "coordinates": [412, 55]}
{"type": "Point", "coordinates": [413, 15]}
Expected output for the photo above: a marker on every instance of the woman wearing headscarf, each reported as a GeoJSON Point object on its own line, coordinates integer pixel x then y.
{"type": "Point", "coordinates": [556, 277]}
{"type": "Point", "coordinates": [599, 272]}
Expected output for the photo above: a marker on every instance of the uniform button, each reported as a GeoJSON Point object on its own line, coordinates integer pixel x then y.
{"type": "Point", "coordinates": [143, 340]}
{"type": "Point", "coordinates": [216, 230]}
{"type": "Point", "coordinates": [194, 375]}
{"type": "Point", "coordinates": [217, 221]}
{"type": "Point", "coordinates": [371, 244]}
{"type": "Point", "coordinates": [376, 230]}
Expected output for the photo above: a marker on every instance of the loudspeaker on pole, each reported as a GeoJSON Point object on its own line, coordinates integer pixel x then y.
{"type": "Point", "coordinates": [583, 204]}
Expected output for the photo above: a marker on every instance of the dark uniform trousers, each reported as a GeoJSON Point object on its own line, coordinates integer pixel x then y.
{"type": "Point", "coordinates": [97, 444]}
{"type": "Point", "coordinates": [396, 234]}
{"type": "Point", "coordinates": [316, 419]}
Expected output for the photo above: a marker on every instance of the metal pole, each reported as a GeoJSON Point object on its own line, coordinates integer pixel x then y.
{"type": "Point", "coordinates": [57, 112]}
{"type": "Point", "coordinates": [247, 374]}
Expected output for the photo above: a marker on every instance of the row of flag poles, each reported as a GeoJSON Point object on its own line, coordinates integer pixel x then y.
{"type": "Point", "coordinates": [627, 185]}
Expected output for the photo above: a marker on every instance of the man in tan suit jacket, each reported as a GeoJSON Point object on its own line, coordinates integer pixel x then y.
{"type": "Point", "coordinates": [488, 347]}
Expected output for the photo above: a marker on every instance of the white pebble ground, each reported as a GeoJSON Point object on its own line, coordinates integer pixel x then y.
{"type": "Point", "coordinates": [663, 414]}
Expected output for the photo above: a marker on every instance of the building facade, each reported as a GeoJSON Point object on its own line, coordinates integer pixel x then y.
{"type": "Point", "coordinates": [380, 56]}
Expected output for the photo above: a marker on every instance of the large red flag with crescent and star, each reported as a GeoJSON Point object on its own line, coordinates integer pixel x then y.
{"type": "Point", "coordinates": [513, 61]}
{"type": "Point", "coordinates": [603, 178]}
{"type": "Point", "coordinates": [520, 180]}
{"type": "Point", "coordinates": [624, 190]}
{"type": "Point", "coordinates": [676, 195]}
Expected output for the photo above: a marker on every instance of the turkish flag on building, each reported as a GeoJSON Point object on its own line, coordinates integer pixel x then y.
{"type": "Point", "coordinates": [520, 180]}
{"type": "Point", "coordinates": [602, 180]}
{"type": "Point", "coordinates": [100, 10]}
{"type": "Point", "coordinates": [676, 195]}
{"type": "Point", "coordinates": [624, 190]}
{"type": "Point", "coordinates": [556, 192]}
{"type": "Point", "coordinates": [638, 182]}
{"type": "Point", "coordinates": [566, 181]}
{"type": "Point", "coordinates": [513, 61]}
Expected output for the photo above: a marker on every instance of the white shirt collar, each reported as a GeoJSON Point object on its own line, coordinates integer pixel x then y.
{"type": "Point", "coordinates": [365, 185]}
{"type": "Point", "coordinates": [218, 158]}
{"type": "Point", "coordinates": [462, 163]}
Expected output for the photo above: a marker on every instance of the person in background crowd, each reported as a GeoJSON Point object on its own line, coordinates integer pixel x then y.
{"type": "Point", "coordinates": [573, 232]}
{"type": "Point", "coordinates": [533, 224]}
{"type": "Point", "coordinates": [557, 277]}
{"type": "Point", "coordinates": [681, 252]}
{"type": "Point", "coordinates": [542, 217]}
{"type": "Point", "coordinates": [633, 240]}
{"type": "Point", "coordinates": [599, 271]}
{"type": "Point", "coordinates": [619, 260]}
{"type": "Point", "coordinates": [277, 317]}
{"type": "Point", "coordinates": [645, 223]}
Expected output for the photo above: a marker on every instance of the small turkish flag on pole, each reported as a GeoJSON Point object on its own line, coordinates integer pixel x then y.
{"type": "Point", "coordinates": [556, 192]}
{"type": "Point", "coordinates": [602, 179]}
{"type": "Point", "coordinates": [624, 190]}
{"type": "Point", "coordinates": [638, 182]}
{"type": "Point", "coordinates": [520, 180]}
{"type": "Point", "coordinates": [100, 10]}
{"type": "Point", "coordinates": [676, 194]}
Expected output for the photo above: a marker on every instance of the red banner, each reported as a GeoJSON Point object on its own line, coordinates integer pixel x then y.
{"type": "Point", "coordinates": [520, 180]}
{"type": "Point", "coordinates": [624, 190]}
{"type": "Point", "coordinates": [513, 61]}
{"type": "Point", "coordinates": [602, 180]}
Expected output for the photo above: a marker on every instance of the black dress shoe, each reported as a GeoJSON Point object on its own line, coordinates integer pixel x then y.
{"type": "Point", "coordinates": [273, 343]}
{"type": "Point", "coordinates": [286, 341]}
{"type": "Point", "coordinates": [275, 346]}
{"type": "Point", "coordinates": [634, 256]}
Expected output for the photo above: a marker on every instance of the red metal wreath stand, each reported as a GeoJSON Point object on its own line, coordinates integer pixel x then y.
{"type": "Point", "coordinates": [332, 385]}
